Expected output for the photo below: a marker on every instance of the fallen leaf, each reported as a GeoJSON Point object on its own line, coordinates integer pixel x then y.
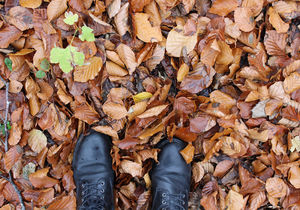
{"type": "Point", "coordinates": [244, 19]}
{"type": "Point", "coordinates": [210, 53]}
{"type": "Point", "coordinates": [277, 22]}
{"type": "Point", "coordinates": [114, 69]}
{"type": "Point", "coordinates": [86, 113]}
{"type": "Point", "coordinates": [37, 140]}
{"type": "Point", "coordinates": [106, 130]}
{"type": "Point", "coordinates": [292, 83]}
{"type": "Point", "coordinates": [182, 72]}
{"type": "Point", "coordinates": [222, 98]}
{"type": "Point", "coordinates": [222, 168]}
{"type": "Point", "coordinates": [65, 202]}
{"type": "Point", "coordinates": [20, 17]}
{"type": "Point", "coordinates": [144, 30]}
{"type": "Point", "coordinates": [15, 133]}
{"type": "Point", "coordinates": [141, 96]}
{"type": "Point", "coordinates": [12, 156]}
{"type": "Point", "coordinates": [294, 176]}
{"type": "Point", "coordinates": [202, 124]}
{"type": "Point", "coordinates": [223, 8]}
{"type": "Point", "coordinates": [114, 110]}
{"type": "Point", "coordinates": [154, 111]}
{"type": "Point", "coordinates": [177, 42]}
{"type": "Point", "coordinates": [121, 20]}
{"type": "Point", "coordinates": [113, 8]}
{"type": "Point", "coordinates": [295, 144]}
{"type": "Point", "coordinates": [276, 187]}
{"type": "Point", "coordinates": [30, 3]}
{"type": "Point", "coordinates": [89, 70]}
{"type": "Point", "coordinates": [156, 58]}
{"type": "Point", "coordinates": [198, 172]}
{"type": "Point", "coordinates": [39, 179]}
{"type": "Point", "coordinates": [138, 5]}
{"type": "Point", "coordinates": [275, 43]}
{"type": "Point", "coordinates": [257, 199]}
{"type": "Point", "coordinates": [132, 168]}
{"type": "Point", "coordinates": [9, 34]}
{"type": "Point", "coordinates": [128, 57]}
{"type": "Point", "coordinates": [39, 197]}
{"type": "Point", "coordinates": [188, 153]}
{"type": "Point", "coordinates": [56, 8]}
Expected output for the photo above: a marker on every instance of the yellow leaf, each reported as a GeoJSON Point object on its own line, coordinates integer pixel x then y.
{"type": "Point", "coordinates": [177, 42]}
{"type": "Point", "coordinates": [182, 72]}
{"type": "Point", "coordinates": [30, 3]}
{"type": "Point", "coordinates": [88, 71]}
{"type": "Point", "coordinates": [141, 96]}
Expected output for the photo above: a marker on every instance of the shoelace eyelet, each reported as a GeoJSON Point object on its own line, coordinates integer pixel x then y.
{"type": "Point", "coordinates": [164, 195]}
{"type": "Point", "coordinates": [164, 202]}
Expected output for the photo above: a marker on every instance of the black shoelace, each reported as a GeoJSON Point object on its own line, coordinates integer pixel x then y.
{"type": "Point", "coordinates": [93, 195]}
{"type": "Point", "coordinates": [172, 201]}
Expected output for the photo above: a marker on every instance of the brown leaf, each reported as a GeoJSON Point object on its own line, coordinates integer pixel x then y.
{"type": "Point", "coordinates": [182, 72]}
{"type": "Point", "coordinates": [65, 202]}
{"type": "Point", "coordinates": [127, 143]}
{"type": "Point", "coordinates": [39, 179]}
{"type": "Point", "coordinates": [257, 199]}
{"type": "Point", "coordinates": [8, 207]}
{"type": "Point", "coordinates": [48, 118]}
{"type": "Point", "coordinates": [114, 69]}
{"type": "Point", "coordinates": [210, 53]}
{"type": "Point", "coordinates": [144, 30]}
{"type": "Point", "coordinates": [156, 58]}
{"type": "Point", "coordinates": [77, 5]}
{"type": "Point", "coordinates": [15, 133]}
{"type": "Point", "coordinates": [138, 5]}
{"type": "Point", "coordinates": [184, 105]}
{"type": "Point", "coordinates": [86, 113]}
{"type": "Point", "coordinates": [225, 56]}
{"type": "Point", "coordinates": [202, 123]}
{"type": "Point", "coordinates": [137, 109]}
{"type": "Point", "coordinates": [31, 90]}
{"type": "Point", "coordinates": [113, 8]}
{"type": "Point", "coordinates": [114, 110]}
{"type": "Point", "coordinates": [106, 130]}
{"type": "Point", "coordinates": [68, 182]}
{"type": "Point", "coordinates": [276, 187]}
{"type": "Point", "coordinates": [223, 8]}
{"type": "Point", "coordinates": [188, 5]}
{"type": "Point", "coordinates": [277, 22]}
{"type": "Point", "coordinates": [292, 83]}
{"type": "Point", "coordinates": [154, 111]}
{"type": "Point", "coordinates": [188, 153]}
{"type": "Point", "coordinates": [9, 34]}
{"type": "Point", "coordinates": [121, 20]}
{"type": "Point", "coordinates": [56, 8]}
{"type": "Point", "coordinates": [198, 80]}
{"type": "Point", "coordinates": [244, 19]}
{"type": "Point", "coordinates": [62, 92]}
{"type": "Point", "coordinates": [15, 86]}
{"type": "Point", "coordinates": [294, 176]}
{"type": "Point", "coordinates": [20, 17]}
{"type": "Point", "coordinates": [30, 3]}
{"type": "Point", "coordinates": [232, 147]}
{"type": "Point", "coordinates": [89, 70]}
{"type": "Point", "coordinates": [177, 42]}
{"type": "Point", "coordinates": [185, 134]}
{"type": "Point", "coordinates": [198, 172]}
{"type": "Point", "coordinates": [132, 168]}
{"type": "Point", "coordinates": [235, 201]}
{"type": "Point", "coordinates": [255, 5]}
{"type": "Point", "coordinates": [12, 156]}
{"type": "Point", "coordinates": [128, 57]}
{"type": "Point", "coordinates": [275, 43]}
{"type": "Point", "coordinates": [222, 168]}
{"type": "Point", "coordinates": [149, 154]}
{"type": "Point", "coordinates": [222, 98]}
{"type": "Point", "coordinates": [37, 140]}
{"type": "Point", "coordinates": [39, 197]}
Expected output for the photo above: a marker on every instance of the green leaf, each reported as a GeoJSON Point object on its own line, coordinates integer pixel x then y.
{"type": "Point", "coordinates": [87, 34]}
{"type": "Point", "coordinates": [8, 63]}
{"type": "Point", "coordinates": [45, 65]}
{"type": "Point", "coordinates": [70, 18]}
{"type": "Point", "coordinates": [40, 74]}
{"type": "Point", "coordinates": [66, 58]}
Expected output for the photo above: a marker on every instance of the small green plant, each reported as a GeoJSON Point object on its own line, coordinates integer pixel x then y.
{"type": "Point", "coordinates": [68, 57]}
{"type": "Point", "coordinates": [45, 66]}
{"type": "Point", "coordinates": [40, 74]}
{"type": "Point", "coordinates": [8, 63]}
{"type": "Point", "coordinates": [2, 127]}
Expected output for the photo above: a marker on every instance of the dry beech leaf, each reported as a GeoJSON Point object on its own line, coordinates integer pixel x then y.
{"type": "Point", "coordinates": [291, 68]}
{"type": "Point", "coordinates": [294, 176]}
{"type": "Point", "coordinates": [137, 109]}
{"type": "Point", "coordinates": [223, 8]}
{"type": "Point", "coordinates": [292, 83]}
{"type": "Point", "coordinates": [257, 199]}
{"type": "Point", "coordinates": [114, 8]}
{"type": "Point", "coordinates": [37, 140]}
{"type": "Point", "coordinates": [20, 17]}
{"type": "Point", "coordinates": [276, 187]}
{"type": "Point", "coordinates": [201, 123]}
{"type": "Point", "coordinates": [15, 86]}
{"type": "Point", "coordinates": [275, 43]}
{"type": "Point", "coordinates": [277, 22]}
{"type": "Point", "coordinates": [156, 58]}
{"type": "Point", "coordinates": [222, 98]}
{"type": "Point", "coordinates": [114, 69]}
{"type": "Point", "coordinates": [210, 53]}
{"type": "Point", "coordinates": [86, 113]}
{"type": "Point", "coordinates": [12, 156]}
{"type": "Point", "coordinates": [114, 57]}
{"type": "Point", "coordinates": [30, 3]}
{"type": "Point", "coordinates": [182, 72]}
{"type": "Point", "coordinates": [89, 70]}
{"type": "Point", "coordinates": [121, 20]}
{"type": "Point", "coordinates": [114, 110]}
{"type": "Point", "coordinates": [138, 5]}
{"type": "Point", "coordinates": [177, 42]}
{"type": "Point", "coordinates": [56, 8]}
{"type": "Point", "coordinates": [65, 202]}
{"type": "Point", "coordinates": [8, 207]}
{"type": "Point", "coordinates": [255, 5]}
{"type": "Point", "coordinates": [144, 30]}
{"type": "Point", "coordinates": [9, 34]}
{"type": "Point", "coordinates": [15, 133]}
{"type": "Point", "coordinates": [243, 17]}
{"type": "Point", "coordinates": [106, 130]}
{"type": "Point", "coordinates": [62, 92]}
{"type": "Point", "coordinates": [128, 57]}
{"type": "Point", "coordinates": [188, 5]}
{"type": "Point", "coordinates": [198, 172]}
{"type": "Point", "coordinates": [154, 111]}
{"type": "Point", "coordinates": [225, 56]}
{"type": "Point", "coordinates": [188, 153]}
{"type": "Point", "coordinates": [222, 168]}
{"type": "Point", "coordinates": [152, 10]}
{"type": "Point", "coordinates": [232, 147]}
{"type": "Point", "coordinates": [132, 168]}
{"type": "Point", "coordinates": [235, 201]}
{"type": "Point", "coordinates": [39, 179]}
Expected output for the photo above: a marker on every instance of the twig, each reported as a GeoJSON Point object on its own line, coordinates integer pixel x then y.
{"type": "Point", "coordinates": [9, 179]}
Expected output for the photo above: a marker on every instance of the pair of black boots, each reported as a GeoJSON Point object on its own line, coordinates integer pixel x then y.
{"type": "Point", "coordinates": [94, 177]}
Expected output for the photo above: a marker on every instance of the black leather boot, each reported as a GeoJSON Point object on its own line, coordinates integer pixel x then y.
{"type": "Point", "coordinates": [170, 177]}
{"type": "Point", "coordinates": [93, 174]}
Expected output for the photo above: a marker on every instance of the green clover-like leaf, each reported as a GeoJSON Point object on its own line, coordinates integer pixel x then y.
{"type": "Point", "coordinates": [40, 74]}
{"type": "Point", "coordinates": [45, 65]}
{"type": "Point", "coordinates": [70, 18]}
{"type": "Point", "coordinates": [66, 57]}
{"type": "Point", "coordinates": [8, 63]}
{"type": "Point", "coordinates": [87, 34]}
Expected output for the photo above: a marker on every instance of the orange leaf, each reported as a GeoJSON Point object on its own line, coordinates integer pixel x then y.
{"type": "Point", "coordinates": [56, 8]}
{"type": "Point", "coordinates": [65, 202]}
{"type": "Point", "coordinates": [37, 140]}
{"type": "Point", "coordinates": [15, 133]}
{"type": "Point", "coordinates": [182, 72]}
{"type": "Point", "coordinates": [144, 30]}
{"type": "Point", "coordinates": [244, 19]}
{"type": "Point", "coordinates": [276, 187]}
{"type": "Point", "coordinates": [39, 197]}
{"type": "Point", "coordinates": [86, 113]}
{"type": "Point", "coordinates": [223, 7]}
{"type": "Point", "coordinates": [114, 69]}
{"type": "Point", "coordinates": [275, 43]}
{"type": "Point", "coordinates": [106, 130]}
{"type": "Point", "coordinates": [127, 56]}
{"type": "Point", "coordinates": [188, 153]}
{"type": "Point", "coordinates": [154, 111]}
{"type": "Point", "coordinates": [222, 98]}
{"type": "Point", "coordinates": [210, 52]}
{"type": "Point", "coordinates": [255, 5]}
{"type": "Point", "coordinates": [9, 34]}
{"type": "Point", "coordinates": [294, 176]}
{"type": "Point", "coordinates": [114, 110]}
{"type": "Point", "coordinates": [30, 3]}
{"type": "Point", "coordinates": [222, 168]}
{"type": "Point", "coordinates": [198, 172]}
{"type": "Point", "coordinates": [12, 156]}
{"type": "Point", "coordinates": [39, 179]}
{"type": "Point", "coordinates": [89, 70]}
{"type": "Point", "coordinates": [277, 22]}
{"type": "Point", "coordinates": [138, 5]}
